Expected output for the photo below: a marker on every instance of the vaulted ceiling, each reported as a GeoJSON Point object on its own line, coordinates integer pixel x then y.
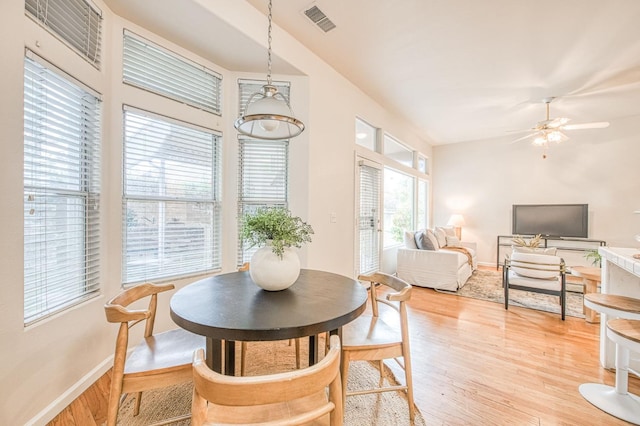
{"type": "Point", "coordinates": [458, 70]}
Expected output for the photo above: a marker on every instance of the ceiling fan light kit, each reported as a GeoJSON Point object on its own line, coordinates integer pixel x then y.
{"type": "Point", "coordinates": [551, 130]}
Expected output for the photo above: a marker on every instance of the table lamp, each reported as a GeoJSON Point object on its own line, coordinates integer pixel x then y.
{"type": "Point", "coordinates": [457, 221]}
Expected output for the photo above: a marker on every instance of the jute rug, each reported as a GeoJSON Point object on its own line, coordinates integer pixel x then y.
{"type": "Point", "coordinates": [487, 285]}
{"type": "Point", "coordinates": [389, 408]}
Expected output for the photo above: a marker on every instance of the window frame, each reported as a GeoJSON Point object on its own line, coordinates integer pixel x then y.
{"type": "Point", "coordinates": [64, 260]}
{"type": "Point", "coordinates": [189, 201]}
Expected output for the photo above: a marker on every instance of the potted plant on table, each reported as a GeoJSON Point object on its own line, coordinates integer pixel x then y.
{"type": "Point", "coordinates": [276, 265]}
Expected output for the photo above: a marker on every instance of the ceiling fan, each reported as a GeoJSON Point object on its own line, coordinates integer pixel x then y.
{"type": "Point", "coordinates": [552, 129]}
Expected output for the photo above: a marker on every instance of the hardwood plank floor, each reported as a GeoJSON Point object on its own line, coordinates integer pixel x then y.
{"type": "Point", "coordinates": [474, 363]}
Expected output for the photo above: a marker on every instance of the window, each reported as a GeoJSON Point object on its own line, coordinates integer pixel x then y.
{"type": "Point", "coordinates": [397, 152]}
{"type": "Point", "coordinates": [263, 170]}
{"type": "Point", "coordinates": [422, 204]}
{"type": "Point", "coordinates": [77, 22]}
{"type": "Point", "coordinates": [61, 190]}
{"type": "Point", "coordinates": [398, 206]}
{"type": "Point", "coordinates": [365, 135]}
{"type": "Point", "coordinates": [263, 181]}
{"type": "Point", "coordinates": [370, 176]}
{"type": "Point", "coordinates": [422, 164]}
{"type": "Point", "coordinates": [171, 203]}
{"type": "Point", "coordinates": [158, 70]}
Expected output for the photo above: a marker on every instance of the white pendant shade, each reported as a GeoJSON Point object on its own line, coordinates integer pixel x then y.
{"type": "Point", "coordinates": [268, 114]}
{"type": "Point", "coordinates": [269, 117]}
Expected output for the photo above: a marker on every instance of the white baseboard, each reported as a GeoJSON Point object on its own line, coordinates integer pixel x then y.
{"type": "Point", "coordinates": [63, 401]}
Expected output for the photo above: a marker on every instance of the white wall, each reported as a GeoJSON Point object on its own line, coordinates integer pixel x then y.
{"type": "Point", "coordinates": [44, 367]}
{"type": "Point", "coordinates": [483, 180]}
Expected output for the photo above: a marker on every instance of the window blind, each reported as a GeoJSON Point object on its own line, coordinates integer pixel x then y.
{"type": "Point", "coordinates": [156, 69]}
{"type": "Point", "coordinates": [171, 205]}
{"type": "Point", "coordinates": [61, 190]}
{"type": "Point", "coordinates": [77, 22]}
{"type": "Point", "coordinates": [369, 220]}
{"type": "Point", "coordinates": [263, 181]}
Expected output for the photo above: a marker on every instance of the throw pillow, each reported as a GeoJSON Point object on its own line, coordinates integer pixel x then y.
{"type": "Point", "coordinates": [423, 242]}
{"type": "Point", "coordinates": [409, 240]}
{"type": "Point", "coordinates": [449, 231]}
{"type": "Point", "coordinates": [533, 265]}
{"type": "Point", "coordinates": [537, 250]}
{"type": "Point", "coordinates": [441, 235]}
{"type": "Point", "coordinates": [433, 239]}
{"type": "Point", "coordinates": [453, 241]}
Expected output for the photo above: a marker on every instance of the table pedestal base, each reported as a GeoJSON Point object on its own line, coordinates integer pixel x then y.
{"type": "Point", "coordinates": [623, 406]}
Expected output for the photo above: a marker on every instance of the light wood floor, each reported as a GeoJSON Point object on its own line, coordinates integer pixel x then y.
{"type": "Point", "coordinates": [475, 364]}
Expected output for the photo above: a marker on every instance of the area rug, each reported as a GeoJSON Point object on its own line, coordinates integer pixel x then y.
{"type": "Point", "coordinates": [389, 408]}
{"type": "Point", "coordinates": [487, 285]}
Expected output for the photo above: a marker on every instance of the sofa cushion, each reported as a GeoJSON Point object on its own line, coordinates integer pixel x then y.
{"type": "Point", "coordinates": [533, 265]}
{"type": "Point", "coordinates": [449, 231]}
{"type": "Point", "coordinates": [423, 241]}
{"type": "Point", "coordinates": [441, 235]}
{"type": "Point", "coordinates": [410, 240]}
{"type": "Point", "coordinates": [453, 241]}
{"type": "Point", "coordinates": [433, 238]}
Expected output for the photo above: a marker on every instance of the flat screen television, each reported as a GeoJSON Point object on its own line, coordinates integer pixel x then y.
{"type": "Point", "coordinates": [551, 220]}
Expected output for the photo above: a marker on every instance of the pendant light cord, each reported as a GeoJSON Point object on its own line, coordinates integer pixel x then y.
{"type": "Point", "coordinates": [269, 49]}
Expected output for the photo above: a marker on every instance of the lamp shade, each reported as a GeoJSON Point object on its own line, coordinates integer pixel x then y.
{"type": "Point", "coordinates": [456, 221]}
{"type": "Point", "coordinates": [268, 116]}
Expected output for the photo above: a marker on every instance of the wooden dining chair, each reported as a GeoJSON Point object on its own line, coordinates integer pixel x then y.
{"type": "Point", "coordinates": [381, 334]}
{"type": "Point", "coordinates": [243, 345]}
{"type": "Point", "coordinates": [159, 360]}
{"type": "Point", "coordinates": [292, 398]}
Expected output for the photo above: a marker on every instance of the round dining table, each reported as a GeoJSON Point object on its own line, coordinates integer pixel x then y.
{"type": "Point", "coordinates": [231, 307]}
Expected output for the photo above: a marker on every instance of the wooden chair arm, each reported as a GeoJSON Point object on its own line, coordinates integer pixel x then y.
{"type": "Point", "coordinates": [138, 292]}
{"type": "Point", "coordinates": [117, 313]}
{"type": "Point", "coordinates": [401, 296]}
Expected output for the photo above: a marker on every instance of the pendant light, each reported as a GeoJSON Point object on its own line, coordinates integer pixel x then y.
{"type": "Point", "coordinates": [267, 114]}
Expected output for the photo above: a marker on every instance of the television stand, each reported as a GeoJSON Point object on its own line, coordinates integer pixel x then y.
{"type": "Point", "coordinates": [571, 249]}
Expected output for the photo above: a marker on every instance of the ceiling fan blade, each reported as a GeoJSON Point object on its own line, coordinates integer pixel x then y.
{"type": "Point", "coordinates": [580, 126]}
{"type": "Point", "coordinates": [519, 131]}
{"type": "Point", "coordinates": [524, 137]}
{"type": "Point", "coordinates": [557, 122]}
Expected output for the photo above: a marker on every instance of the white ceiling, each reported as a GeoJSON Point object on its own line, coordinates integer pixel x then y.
{"type": "Point", "coordinates": [458, 70]}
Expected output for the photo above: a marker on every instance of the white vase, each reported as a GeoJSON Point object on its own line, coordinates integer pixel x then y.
{"type": "Point", "coordinates": [272, 273]}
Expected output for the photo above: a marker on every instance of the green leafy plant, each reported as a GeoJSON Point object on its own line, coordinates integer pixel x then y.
{"type": "Point", "coordinates": [594, 257]}
{"type": "Point", "coordinates": [275, 224]}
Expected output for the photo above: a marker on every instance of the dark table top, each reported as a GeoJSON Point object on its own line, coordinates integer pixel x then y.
{"type": "Point", "coordinates": [232, 307]}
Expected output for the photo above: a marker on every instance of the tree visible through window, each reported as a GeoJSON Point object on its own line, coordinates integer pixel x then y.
{"type": "Point", "coordinates": [398, 206]}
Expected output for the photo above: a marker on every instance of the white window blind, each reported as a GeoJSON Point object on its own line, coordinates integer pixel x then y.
{"type": "Point", "coordinates": [171, 205]}
{"type": "Point", "coordinates": [369, 218]}
{"type": "Point", "coordinates": [263, 181]}
{"type": "Point", "coordinates": [77, 22]}
{"type": "Point", "coordinates": [249, 87]}
{"type": "Point", "coordinates": [61, 190]}
{"type": "Point", "coordinates": [156, 69]}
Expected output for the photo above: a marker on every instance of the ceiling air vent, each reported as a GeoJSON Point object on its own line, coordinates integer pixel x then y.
{"type": "Point", "coordinates": [320, 19]}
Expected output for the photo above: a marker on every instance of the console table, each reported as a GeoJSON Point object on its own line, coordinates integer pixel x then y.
{"type": "Point", "coordinates": [567, 244]}
{"type": "Point", "coordinates": [620, 275]}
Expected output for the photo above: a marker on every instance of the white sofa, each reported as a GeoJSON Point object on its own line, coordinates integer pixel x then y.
{"type": "Point", "coordinates": [442, 268]}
